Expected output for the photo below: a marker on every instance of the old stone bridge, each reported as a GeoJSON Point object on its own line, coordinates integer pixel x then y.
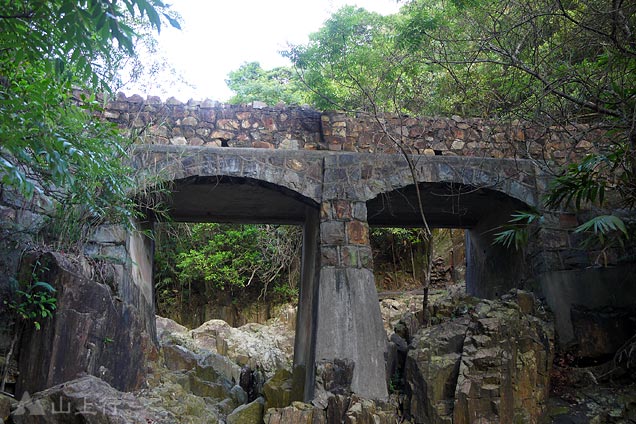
{"type": "Point", "coordinates": [337, 175]}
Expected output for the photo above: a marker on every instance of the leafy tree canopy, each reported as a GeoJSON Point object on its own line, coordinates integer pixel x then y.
{"type": "Point", "coordinates": [346, 64]}
{"type": "Point", "coordinates": [49, 139]}
{"type": "Point", "coordinates": [248, 261]}
{"type": "Point", "coordinates": [251, 83]}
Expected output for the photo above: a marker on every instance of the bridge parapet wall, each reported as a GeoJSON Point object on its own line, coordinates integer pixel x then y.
{"type": "Point", "coordinates": [209, 123]}
{"type": "Point", "coordinates": [457, 136]}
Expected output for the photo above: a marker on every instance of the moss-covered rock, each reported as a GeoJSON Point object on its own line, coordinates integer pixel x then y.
{"type": "Point", "coordinates": [491, 363]}
{"type": "Point", "coordinates": [278, 390]}
{"type": "Point", "coordinates": [252, 413]}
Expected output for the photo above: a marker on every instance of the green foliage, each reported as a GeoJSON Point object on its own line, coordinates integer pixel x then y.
{"type": "Point", "coordinates": [52, 145]}
{"type": "Point", "coordinates": [604, 232]}
{"type": "Point", "coordinates": [223, 259]}
{"type": "Point", "coordinates": [588, 180]}
{"type": "Point", "coordinates": [76, 36]}
{"type": "Point", "coordinates": [549, 62]}
{"type": "Point", "coordinates": [35, 303]}
{"type": "Point", "coordinates": [352, 63]}
{"type": "Point", "coordinates": [402, 253]}
{"type": "Point", "coordinates": [33, 300]}
{"type": "Point", "coordinates": [603, 224]}
{"type": "Point", "coordinates": [210, 259]}
{"type": "Point", "coordinates": [51, 142]}
{"type": "Point", "coordinates": [251, 83]}
{"type": "Point", "coordinates": [516, 232]}
{"type": "Point", "coordinates": [585, 183]}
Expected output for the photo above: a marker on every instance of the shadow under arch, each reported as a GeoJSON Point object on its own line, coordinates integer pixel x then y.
{"type": "Point", "coordinates": [491, 270]}
{"type": "Point", "coordinates": [233, 199]}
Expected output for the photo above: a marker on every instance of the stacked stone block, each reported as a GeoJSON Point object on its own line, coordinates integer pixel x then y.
{"type": "Point", "coordinates": [209, 123]}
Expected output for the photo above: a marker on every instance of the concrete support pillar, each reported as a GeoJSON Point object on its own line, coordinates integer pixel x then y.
{"type": "Point", "coordinates": [492, 269]}
{"type": "Point", "coordinates": [350, 338]}
{"type": "Point", "coordinates": [305, 340]}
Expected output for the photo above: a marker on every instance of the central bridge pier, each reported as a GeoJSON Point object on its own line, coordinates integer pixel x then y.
{"type": "Point", "coordinates": [336, 197]}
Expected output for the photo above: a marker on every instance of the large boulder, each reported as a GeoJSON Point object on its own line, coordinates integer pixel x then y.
{"type": "Point", "coordinates": [172, 398]}
{"type": "Point", "coordinates": [432, 368]}
{"type": "Point", "coordinates": [264, 347]}
{"type": "Point", "coordinates": [278, 390]}
{"type": "Point", "coordinates": [177, 357]}
{"type": "Point", "coordinates": [366, 411]}
{"type": "Point", "coordinates": [252, 413]}
{"type": "Point", "coordinates": [297, 413]}
{"type": "Point", "coordinates": [167, 329]}
{"type": "Point", "coordinates": [490, 365]}
{"type": "Point", "coordinates": [338, 409]}
{"type": "Point", "coordinates": [87, 400]}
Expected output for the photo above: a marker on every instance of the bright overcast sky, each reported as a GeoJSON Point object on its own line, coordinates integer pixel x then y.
{"type": "Point", "coordinates": [219, 35]}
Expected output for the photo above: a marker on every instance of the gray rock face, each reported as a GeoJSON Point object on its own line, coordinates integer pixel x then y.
{"type": "Point", "coordinates": [87, 400]}
{"type": "Point", "coordinates": [264, 347]}
{"type": "Point", "coordinates": [298, 412]}
{"type": "Point", "coordinates": [432, 368]}
{"type": "Point", "coordinates": [339, 409]}
{"type": "Point", "coordinates": [252, 413]}
{"type": "Point", "coordinates": [490, 365]}
{"type": "Point", "coordinates": [92, 332]}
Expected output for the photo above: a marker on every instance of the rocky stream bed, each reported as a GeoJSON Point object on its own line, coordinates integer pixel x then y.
{"type": "Point", "coordinates": [478, 361]}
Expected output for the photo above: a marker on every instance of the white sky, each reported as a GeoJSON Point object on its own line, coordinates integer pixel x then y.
{"type": "Point", "coordinates": [218, 36]}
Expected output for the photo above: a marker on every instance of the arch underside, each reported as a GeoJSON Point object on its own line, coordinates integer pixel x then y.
{"type": "Point", "coordinates": [449, 205]}
{"type": "Point", "coordinates": [236, 199]}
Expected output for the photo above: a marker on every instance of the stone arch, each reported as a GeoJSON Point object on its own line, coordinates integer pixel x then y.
{"type": "Point", "coordinates": [477, 199]}
{"type": "Point", "coordinates": [445, 205]}
{"type": "Point", "coordinates": [295, 172]}
{"type": "Point", "coordinates": [515, 178]}
{"type": "Point", "coordinates": [250, 186]}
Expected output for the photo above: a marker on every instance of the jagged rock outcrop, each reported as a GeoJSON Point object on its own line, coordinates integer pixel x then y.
{"type": "Point", "coordinates": [491, 364]}
{"type": "Point", "coordinates": [93, 331]}
{"type": "Point", "coordinates": [339, 409]}
{"type": "Point", "coordinates": [263, 347]}
{"type": "Point", "coordinates": [432, 367]}
{"type": "Point", "coordinates": [297, 412]}
{"type": "Point", "coordinates": [252, 413]}
{"type": "Point", "coordinates": [278, 390]}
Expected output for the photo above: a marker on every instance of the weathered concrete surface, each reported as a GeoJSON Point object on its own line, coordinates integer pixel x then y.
{"type": "Point", "coordinates": [493, 269]}
{"type": "Point", "coordinates": [350, 327]}
{"type": "Point", "coordinates": [592, 289]}
{"type": "Point", "coordinates": [305, 338]}
{"type": "Point", "coordinates": [92, 332]}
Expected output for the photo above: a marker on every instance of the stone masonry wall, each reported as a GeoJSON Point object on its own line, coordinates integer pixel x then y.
{"type": "Point", "coordinates": [209, 123]}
